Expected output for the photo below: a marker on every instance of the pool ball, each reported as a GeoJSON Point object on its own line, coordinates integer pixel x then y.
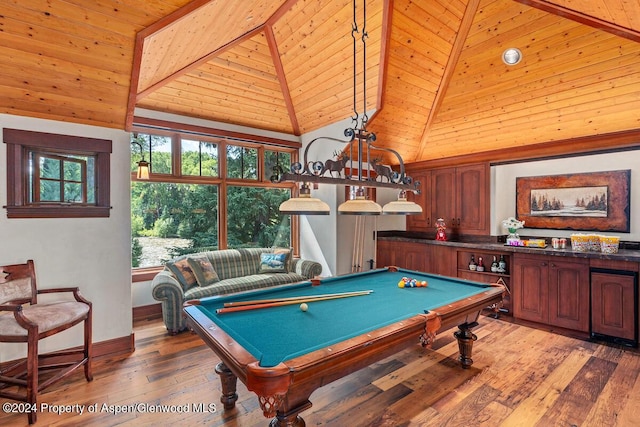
{"type": "Point", "coordinates": [304, 306]}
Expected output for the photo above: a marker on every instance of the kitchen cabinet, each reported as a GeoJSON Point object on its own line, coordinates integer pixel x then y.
{"type": "Point", "coordinates": [551, 290]}
{"type": "Point", "coordinates": [428, 258]}
{"type": "Point", "coordinates": [486, 276]}
{"type": "Point", "coordinates": [613, 312]}
{"type": "Point", "coordinates": [460, 196]}
{"type": "Point", "coordinates": [409, 255]}
{"type": "Point", "coordinates": [423, 221]}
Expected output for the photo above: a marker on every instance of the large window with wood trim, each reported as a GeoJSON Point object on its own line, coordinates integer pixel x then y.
{"type": "Point", "coordinates": [56, 176]}
{"type": "Point", "coordinates": [205, 193]}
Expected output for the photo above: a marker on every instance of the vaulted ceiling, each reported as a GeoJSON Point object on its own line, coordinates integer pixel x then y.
{"type": "Point", "coordinates": [434, 71]}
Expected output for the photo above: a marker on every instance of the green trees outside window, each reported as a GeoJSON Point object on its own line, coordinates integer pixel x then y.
{"type": "Point", "coordinates": [177, 213]}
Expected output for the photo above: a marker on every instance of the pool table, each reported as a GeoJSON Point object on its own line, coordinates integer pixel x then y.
{"type": "Point", "coordinates": [283, 353]}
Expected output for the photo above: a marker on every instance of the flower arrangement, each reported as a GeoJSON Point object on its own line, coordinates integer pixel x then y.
{"type": "Point", "coordinates": [512, 224]}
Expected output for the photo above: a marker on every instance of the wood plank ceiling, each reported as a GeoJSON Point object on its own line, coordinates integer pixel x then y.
{"type": "Point", "coordinates": [434, 71]}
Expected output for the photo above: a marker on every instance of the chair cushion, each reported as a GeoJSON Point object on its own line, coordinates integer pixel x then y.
{"type": "Point", "coordinates": [46, 316]}
{"type": "Point", "coordinates": [19, 289]}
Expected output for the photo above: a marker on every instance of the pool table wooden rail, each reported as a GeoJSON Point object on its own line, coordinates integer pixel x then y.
{"type": "Point", "coordinates": [284, 390]}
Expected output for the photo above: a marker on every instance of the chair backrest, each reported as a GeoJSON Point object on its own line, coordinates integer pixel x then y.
{"type": "Point", "coordinates": [18, 283]}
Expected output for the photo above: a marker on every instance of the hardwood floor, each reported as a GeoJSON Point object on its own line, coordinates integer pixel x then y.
{"type": "Point", "coordinates": [521, 377]}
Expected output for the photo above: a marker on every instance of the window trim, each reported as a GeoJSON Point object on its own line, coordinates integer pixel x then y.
{"type": "Point", "coordinates": [20, 142]}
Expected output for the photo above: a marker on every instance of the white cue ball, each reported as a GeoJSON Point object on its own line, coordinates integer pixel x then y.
{"type": "Point", "coordinates": [304, 306]}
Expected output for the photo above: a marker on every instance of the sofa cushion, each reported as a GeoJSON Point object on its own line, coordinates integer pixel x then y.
{"type": "Point", "coordinates": [289, 253]}
{"type": "Point", "coordinates": [203, 270]}
{"type": "Point", "coordinates": [182, 270]}
{"type": "Point", "coordinates": [236, 262]}
{"type": "Point", "coordinates": [273, 263]}
{"type": "Point", "coordinates": [241, 284]}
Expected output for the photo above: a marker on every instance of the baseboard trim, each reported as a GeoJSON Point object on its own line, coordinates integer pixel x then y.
{"type": "Point", "coordinates": [147, 312]}
{"type": "Point", "coordinates": [101, 350]}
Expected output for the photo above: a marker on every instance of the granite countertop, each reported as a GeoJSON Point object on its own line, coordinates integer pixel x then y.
{"type": "Point", "coordinates": [630, 255]}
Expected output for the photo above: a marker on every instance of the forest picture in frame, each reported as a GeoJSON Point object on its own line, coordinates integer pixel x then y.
{"type": "Point", "coordinates": [596, 201]}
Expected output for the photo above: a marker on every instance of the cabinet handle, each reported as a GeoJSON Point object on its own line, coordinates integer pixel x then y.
{"type": "Point", "coordinates": [553, 265]}
{"type": "Point", "coordinates": [458, 222]}
{"type": "Point", "coordinates": [453, 221]}
{"type": "Point", "coordinates": [544, 264]}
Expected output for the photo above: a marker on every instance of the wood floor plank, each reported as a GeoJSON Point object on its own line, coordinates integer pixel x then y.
{"type": "Point", "coordinates": [577, 399]}
{"type": "Point", "coordinates": [521, 376]}
{"type": "Point", "coordinates": [540, 400]}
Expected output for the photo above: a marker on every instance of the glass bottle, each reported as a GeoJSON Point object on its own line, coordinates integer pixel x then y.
{"type": "Point", "coordinates": [480, 266]}
{"type": "Point", "coordinates": [494, 265]}
{"type": "Point", "coordinates": [502, 265]}
{"type": "Point", "coordinates": [472, 264]}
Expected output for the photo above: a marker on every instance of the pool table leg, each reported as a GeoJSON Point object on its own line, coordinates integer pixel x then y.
{"type": "Point", "coordinates": [465, 343]}
{"type": "Point", "coordinates": [229, 383]}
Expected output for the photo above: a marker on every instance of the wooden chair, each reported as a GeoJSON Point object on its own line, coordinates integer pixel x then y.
{"type": "Point", "coordinates": [22, 319]}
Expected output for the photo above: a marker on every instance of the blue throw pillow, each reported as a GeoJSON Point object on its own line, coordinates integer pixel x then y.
{"type": "Point", "coordinates": [273, 263]}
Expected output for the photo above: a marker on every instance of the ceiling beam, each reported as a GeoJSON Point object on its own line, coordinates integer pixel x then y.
{"type": "Point", "coordinates": [582, 18]}
{"type": "Point", "coordinates": [456, 50]}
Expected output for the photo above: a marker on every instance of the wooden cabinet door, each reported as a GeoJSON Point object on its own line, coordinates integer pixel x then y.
{"type": "Point", "coordinates": [413, 256]}
{"type": "Point", "coordinates": [612, 305]}
{"type": "Point", "coordinates": [423, 221]}
{"type": "Point", "coordinates": [472, 199]}
{"type": "Point", "coordinates": [409, 255]}
{"type": "Point", "coordinates": [569, 294]}
{"type": "Point", "coordinates": [385, 254]}
{"type": "Point", "coordinates": [443, 198]}
{"type": "Point", "coordinates": [530, 288]}
{"type": "Point", "coordinates": [443, 260]}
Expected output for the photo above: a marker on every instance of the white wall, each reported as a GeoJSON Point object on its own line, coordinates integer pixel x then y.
{"type": "Point", "coordinates": [503, 187]}
{"type": "Point", "coordinates": [91, 253]}
{"type": "Point", "coordinates": [333, 235]}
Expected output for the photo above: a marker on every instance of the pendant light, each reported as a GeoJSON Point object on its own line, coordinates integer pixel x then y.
{"type": "Point", "coordinates": [359, 205]}
{"type": "Point", "coordinates": [402, 206]}
{"type": "Point", "coordinates": [305, 204]}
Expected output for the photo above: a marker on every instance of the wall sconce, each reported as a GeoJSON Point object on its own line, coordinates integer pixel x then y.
{"type": "Point", "coordinates": [143, 165]}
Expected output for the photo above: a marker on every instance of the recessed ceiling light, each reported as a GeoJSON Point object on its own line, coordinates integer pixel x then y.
{"type": "Point", "coordinates": [511, 56]}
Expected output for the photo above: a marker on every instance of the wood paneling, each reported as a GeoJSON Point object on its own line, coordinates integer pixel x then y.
{"type": "Point", "coordinates": [434, 74]}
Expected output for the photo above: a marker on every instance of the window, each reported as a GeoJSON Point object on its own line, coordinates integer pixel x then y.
{"type": "Point", "coordinates": [60, 179]}
{"type": "Point", "coordinates": [189, 206]}
{"type": "Point", "coordinates": [199, 158]}
{"type": "Point", "coordinates": [169, 219]}
{"type": "Point", "coordinates": [56, 176]}
{"type": "Point", "coordinates": [273, 159]}
{"type": "Point", "coordinates": [242, 162]}
{"type": "Point", "coordinates": [254, 219]}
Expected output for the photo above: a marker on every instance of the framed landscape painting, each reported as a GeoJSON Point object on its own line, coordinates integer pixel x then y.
{"type": "Point", "coordinates": [597, 201]}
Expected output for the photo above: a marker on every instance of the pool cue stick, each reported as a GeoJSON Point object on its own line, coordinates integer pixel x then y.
{"type": "Point", "coordinates": [281, 303]}
{"type": "Point", "coordinates": [305, 297]}
{"type": "Point", "coordinates": [354, 249]}
{"type": "Point", "coordinates": [362, 232]}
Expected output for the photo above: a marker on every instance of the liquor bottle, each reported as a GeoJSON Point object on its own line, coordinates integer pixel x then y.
{"type": "Point", "coordinates": [472, 264]}
{"type": "Point", "coordinates": [480, 266]}
{"type": "Point", "coordinates": [502, 265]}
{"type": "Point", "coordinates": [494, 265]}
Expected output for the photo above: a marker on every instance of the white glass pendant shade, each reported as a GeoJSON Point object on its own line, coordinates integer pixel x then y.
{"type": "Point", "coordinates": [401, 206]}
{"type": "Point", "coordinates": [305, 204]}
{"type": "Point", "coordinates": [359, 205]}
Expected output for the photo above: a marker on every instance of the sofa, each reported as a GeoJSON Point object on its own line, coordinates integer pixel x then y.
{"type": "Point", "coordinates": [210, 273]}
